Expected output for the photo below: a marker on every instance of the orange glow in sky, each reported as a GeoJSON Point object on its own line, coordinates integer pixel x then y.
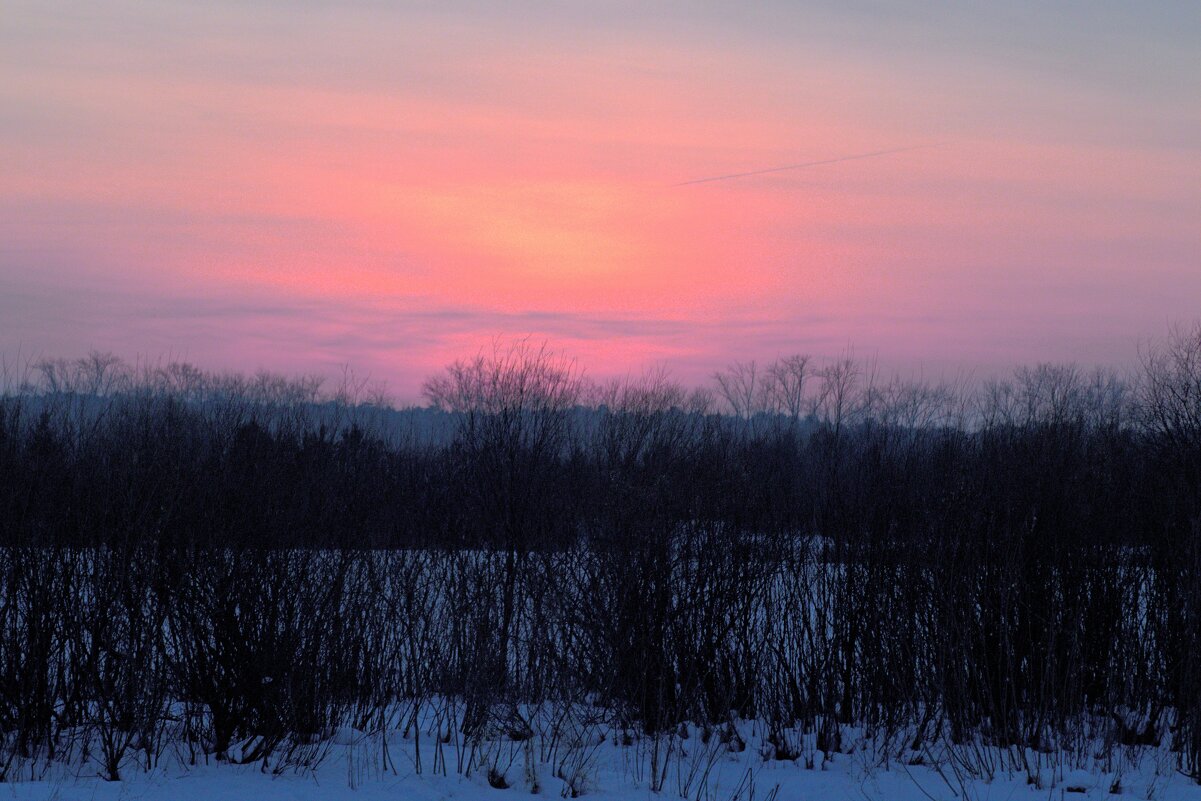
{"type": "Point", "coordinates": [298, 187]}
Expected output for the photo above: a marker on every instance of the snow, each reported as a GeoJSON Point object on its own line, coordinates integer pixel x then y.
{"type": "Point", "coordinates": [694, 770]}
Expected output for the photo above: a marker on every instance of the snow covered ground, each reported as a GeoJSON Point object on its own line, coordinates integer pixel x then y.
{"type": "Point", "coordinates": [688, 768]}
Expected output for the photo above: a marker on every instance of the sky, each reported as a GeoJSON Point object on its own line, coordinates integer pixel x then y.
{"type": "Point", "coordinates": [301, 186]}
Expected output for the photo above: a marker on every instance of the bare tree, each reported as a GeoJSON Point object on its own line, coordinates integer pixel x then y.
{"type": "Point", "coordinates": [740, 386]}
{"type": "Point", "coordinates": [787, 379]}
{"type": "Point", "coordinates": [1171, 393]}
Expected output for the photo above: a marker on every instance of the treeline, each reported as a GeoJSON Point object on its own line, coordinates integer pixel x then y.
{"type": "Point", "coordinates": [235, 567]}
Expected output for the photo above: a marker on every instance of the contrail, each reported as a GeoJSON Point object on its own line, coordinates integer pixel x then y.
{"type": "Point", "coordinates": [805, 164]}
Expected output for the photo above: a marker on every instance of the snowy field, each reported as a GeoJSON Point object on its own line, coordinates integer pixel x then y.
{"type": "Point", "coordinates": [412, 745]}
{"type": "Point", "coordinates": [693, 768]}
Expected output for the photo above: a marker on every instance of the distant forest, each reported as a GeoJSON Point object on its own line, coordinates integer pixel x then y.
{"type": "Point", "coordinates": [236, 566]}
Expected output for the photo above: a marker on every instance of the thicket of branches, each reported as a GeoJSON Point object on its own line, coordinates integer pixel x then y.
{"type": "Point", "coordinates": [235, 568]}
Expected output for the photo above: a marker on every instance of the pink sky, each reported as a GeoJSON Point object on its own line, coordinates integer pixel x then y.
{"type": "Point", "coordinates": [300, 186]}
